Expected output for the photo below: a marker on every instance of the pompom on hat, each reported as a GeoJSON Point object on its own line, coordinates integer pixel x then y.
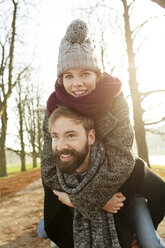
{"type": "Point", "coordinates": [76, 51]}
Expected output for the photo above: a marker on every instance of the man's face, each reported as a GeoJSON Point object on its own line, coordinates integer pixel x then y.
{"type": "Point", "coordinates": [71, 145]}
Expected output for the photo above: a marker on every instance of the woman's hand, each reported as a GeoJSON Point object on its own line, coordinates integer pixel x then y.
{"type": "Point", "coordinates": [63, 197]}
{"type": "Point", "coordinates": [115, 203]}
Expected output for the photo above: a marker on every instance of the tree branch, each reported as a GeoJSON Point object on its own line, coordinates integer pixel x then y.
{"type": "Point", "coordinates": [145, 94]}
{"type": "Point", "coordinates": [7, 95]}
{"type": "Point", "coordinates": [153, 123]}
{"type": "Point", "coordinates": [138, 28]}
{"type": "Point", "coordinates": [18, 152]}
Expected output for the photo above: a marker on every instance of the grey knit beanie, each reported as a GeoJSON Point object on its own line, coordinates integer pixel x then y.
{"type": "Point", "coordinates": [76, 50]}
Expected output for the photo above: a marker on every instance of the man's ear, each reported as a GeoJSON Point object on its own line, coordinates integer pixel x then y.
{"type": "Point", "coordinates": [91, 137]}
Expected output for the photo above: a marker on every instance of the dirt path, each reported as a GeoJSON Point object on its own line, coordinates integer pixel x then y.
{"type": "Point", "coordinates": [20, 216]}
{"type": "Point", "coordinates": [20, 213]}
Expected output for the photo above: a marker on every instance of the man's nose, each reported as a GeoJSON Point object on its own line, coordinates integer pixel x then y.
{"type": "Point", "coordinates": [61, 145]}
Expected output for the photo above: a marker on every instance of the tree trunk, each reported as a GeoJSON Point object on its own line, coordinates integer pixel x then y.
{"type": "Point", "coordinates": [34, 157]}
{"type": "Point", "coordinates": [21, 130]}
{"type": "Point", "coordinates": [139, 128]}
{"type": "Point", "coordinates": [23, 160]}
{"type": "Point", "coordinates": [23, 155]}
{"type": "Point", "coordinates": [3, 104]}
{"type": "Point", "coordinates": [39, 118]}
{"type": "Point", "coordinates": [34, 154]}
{"type": "Point", "coordinates": [34, 161]}
{"type": "Point", "coordinates": [3, 169]}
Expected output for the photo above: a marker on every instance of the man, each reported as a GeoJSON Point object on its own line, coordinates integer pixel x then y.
{"type": "Point", "coordinates": [73, 138]}
{"type": "Point", "coordinates": [78, 157]}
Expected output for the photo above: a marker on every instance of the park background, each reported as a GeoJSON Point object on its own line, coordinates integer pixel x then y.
{"type": "Point", "coordinates": [129, 39]}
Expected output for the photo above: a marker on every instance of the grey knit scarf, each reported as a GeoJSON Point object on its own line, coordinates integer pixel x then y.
{"type": "Point", "coordinates": [100, 233]}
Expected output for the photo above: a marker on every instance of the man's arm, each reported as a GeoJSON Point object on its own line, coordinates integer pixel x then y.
{"type": "Point", "coordinates": [63, 197]}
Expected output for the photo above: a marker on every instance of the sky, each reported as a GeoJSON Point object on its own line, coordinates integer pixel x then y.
{"type": "Point", "coordinates": [45, 27]}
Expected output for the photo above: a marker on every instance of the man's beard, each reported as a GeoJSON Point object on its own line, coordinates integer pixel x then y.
{"type": "Point", "coordinates": [69, 167]}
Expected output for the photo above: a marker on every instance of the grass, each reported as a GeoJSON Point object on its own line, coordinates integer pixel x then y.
{"type": "Point", "coordinates": [158, 166]}
{"type": "Point", "coordinates": [160, 169]}
{"type": "Point", "coordinates": [14, 169]}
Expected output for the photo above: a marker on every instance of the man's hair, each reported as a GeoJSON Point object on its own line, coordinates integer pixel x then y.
{"type": "Point", "coordinates": [76, 117]}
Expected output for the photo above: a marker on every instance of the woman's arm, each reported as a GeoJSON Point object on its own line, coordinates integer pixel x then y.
{"type": "Point", "coordinates": [115, 130]}
{"type": "Point", "coordinates": [112, 206]}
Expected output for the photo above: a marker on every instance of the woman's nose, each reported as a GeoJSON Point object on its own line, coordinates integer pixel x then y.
{"type": "Point", "coordinates": [77, 83]}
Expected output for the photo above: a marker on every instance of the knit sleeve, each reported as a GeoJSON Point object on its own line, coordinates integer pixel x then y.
{"type": "Point", "coordinates": [116, 133]}
{"type": "Point", "coordinates": [48, 167]}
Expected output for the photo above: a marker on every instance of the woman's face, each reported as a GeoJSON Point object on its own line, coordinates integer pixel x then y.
{"type": "Point", "coordinates": [79, 82]}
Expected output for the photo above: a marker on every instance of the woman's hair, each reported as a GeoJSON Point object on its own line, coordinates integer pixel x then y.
{"type": "Point", "coordinates": [76, 117]}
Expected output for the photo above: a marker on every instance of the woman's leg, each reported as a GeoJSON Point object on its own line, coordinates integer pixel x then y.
{"type": "Point", "coordinates": [41, 231]}
{"type": "Point", "coordinates": [145, 230]}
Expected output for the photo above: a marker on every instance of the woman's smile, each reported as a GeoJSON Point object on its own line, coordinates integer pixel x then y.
{"type": "Point", "coordinates": [78, 93]}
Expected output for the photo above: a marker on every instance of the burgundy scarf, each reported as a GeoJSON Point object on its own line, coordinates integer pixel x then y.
{"type": "Point", "coordinates": [95, 105]}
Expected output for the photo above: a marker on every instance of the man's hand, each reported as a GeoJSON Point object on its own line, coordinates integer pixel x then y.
{"type": "Point", "coordinates": [63, 197]}
{"type": "Point", "coordinates": [115, 203]}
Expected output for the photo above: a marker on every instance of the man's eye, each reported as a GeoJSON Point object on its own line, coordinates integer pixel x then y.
{"type": "Point", "coordinates": [71, 136]}
{"type": "Point", "coordinates": [54, 137]}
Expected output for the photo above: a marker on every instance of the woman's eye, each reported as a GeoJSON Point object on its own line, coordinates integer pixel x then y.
{"type": "Point", "coordinates": [85, 74]}
{"type": "Point", "coordinates": [68, 76]}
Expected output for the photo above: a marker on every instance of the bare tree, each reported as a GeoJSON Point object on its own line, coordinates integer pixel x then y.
{"type": "Point", "coordinates": [9, 74]}
{"type": "Point", "coordinates": [6, 87]}
{"type": "Point", "coordinates": [100, 34]}
{"type": "Point", "coordinates": [10, 84]}
{"type": "Point", "coordinates": [3, 169]}
{"type": "Point", "coordinates": [136, 95]}
{"type": "Point", "coordinates": [160, 2]}
{"type": "Point", "coordinates": [29, 116]}
{"type": "Point", "coordinates": [140, 134]}
{"type": "Point", "coordinates": [21, 113]}
{"type": "Point", "coordinates": [33, 122]}
{"type": "Point", "coordinates": [31, 126]}
{"type": "Point", "coordinates": [40, 111]}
